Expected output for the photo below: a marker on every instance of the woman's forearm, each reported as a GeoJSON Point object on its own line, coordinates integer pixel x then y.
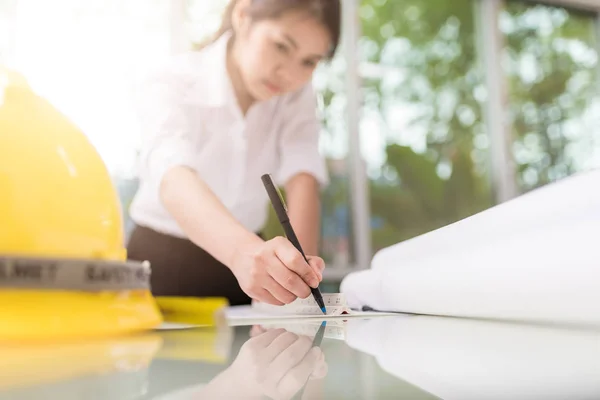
{"type": "Point", "coordinates": [302, 193]}
{"type": "Point", "coordinates": [202, 216]}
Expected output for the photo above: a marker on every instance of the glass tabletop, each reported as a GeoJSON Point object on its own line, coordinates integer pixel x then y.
{"type": "Point", "coordinates": [399, 357]}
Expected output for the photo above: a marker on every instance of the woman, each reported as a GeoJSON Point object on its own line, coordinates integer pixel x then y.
{"type": "Point", "coordinates": [213, 122]}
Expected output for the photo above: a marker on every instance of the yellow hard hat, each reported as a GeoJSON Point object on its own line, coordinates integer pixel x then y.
{"type": "Point", "coordinates": [61, 228]}
{"type": "Point", "coordinates": [57, 196]}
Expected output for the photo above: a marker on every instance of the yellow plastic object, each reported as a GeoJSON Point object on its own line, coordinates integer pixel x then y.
{"type": "Point", "coordinates": [205, 311]}
{"type": "Point", "coordinates": [57, 198]}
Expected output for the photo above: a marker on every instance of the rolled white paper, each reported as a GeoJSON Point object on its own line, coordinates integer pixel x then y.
{"type": "Point", "coordinates": [534, 258]}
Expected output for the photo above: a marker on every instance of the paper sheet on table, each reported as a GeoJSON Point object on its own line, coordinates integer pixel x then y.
{"type": "Point", "coordinates": [536, 257]}
{"type": "Point", "coordinates": [301, 309]}
{"type": "Point", "coordinates": [246, 315]}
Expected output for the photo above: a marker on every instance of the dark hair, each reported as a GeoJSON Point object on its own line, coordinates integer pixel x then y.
{"type": "Point", "coordinates": [328, 12]}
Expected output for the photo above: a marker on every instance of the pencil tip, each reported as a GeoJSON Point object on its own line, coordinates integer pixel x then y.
{"type": "Point", "coordinates": [324, 310]}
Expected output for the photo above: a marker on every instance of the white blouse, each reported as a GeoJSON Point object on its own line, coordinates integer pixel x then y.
{"type": "Point", "coordinates": [189, 116]}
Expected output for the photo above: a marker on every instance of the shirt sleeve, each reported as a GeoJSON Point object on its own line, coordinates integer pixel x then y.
{"type": "Point", "coordinates": [166, 127]}
{"type": "Point", "coordinates": [299, 140]}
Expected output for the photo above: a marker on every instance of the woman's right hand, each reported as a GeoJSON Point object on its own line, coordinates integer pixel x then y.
{"type": "Point", "coordinates": [275, 272]}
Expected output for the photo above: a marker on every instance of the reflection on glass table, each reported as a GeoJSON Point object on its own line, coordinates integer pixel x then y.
{"type": "Point", "coordinates": [401, 357]}
{"type": "Point", "coordinates": [245, 362]}
{"type": "Point", "coordinates": [273, 363]}
{"type": "Point", "coordinates": [466, 359]}
{"type": "Point", "coordinates": [298, 360]}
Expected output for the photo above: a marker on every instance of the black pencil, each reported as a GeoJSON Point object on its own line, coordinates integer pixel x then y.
{"type": "Point", "coordinates": [284, 220]}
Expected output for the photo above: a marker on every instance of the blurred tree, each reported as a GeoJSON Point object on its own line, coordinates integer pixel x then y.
{"type": "Point", "coordinates": [552, 71]}
{"type": "Point", "coordinates": [428, 52]}
{"type": "Point", "coordinates": [431, 46]}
